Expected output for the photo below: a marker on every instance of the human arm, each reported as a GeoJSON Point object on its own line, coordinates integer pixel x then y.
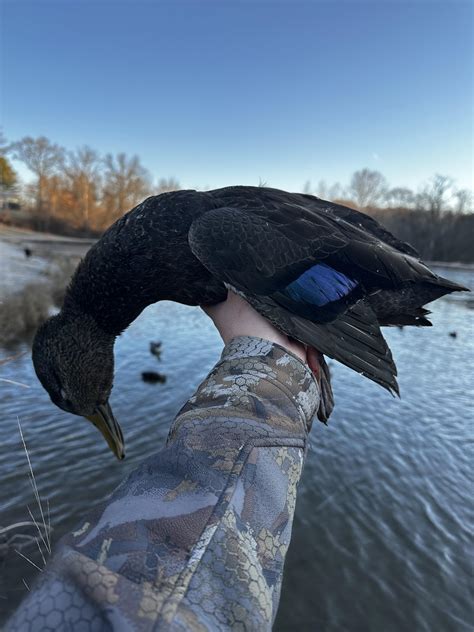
{"type": "Point", "coordinates": [197, 535]}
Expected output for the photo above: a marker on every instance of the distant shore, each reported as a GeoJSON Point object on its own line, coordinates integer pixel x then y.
{"type": "Point", "coordinates": [458, 265]}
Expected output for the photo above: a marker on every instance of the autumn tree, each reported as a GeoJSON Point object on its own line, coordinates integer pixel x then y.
{"type": "Point", "coordinates": [82, 171]}
{"type": "Point", "coordinates": [41, 157]}
{"type": "Point", "coordinates": [8, 177]}
{"type": "Point", "coordinates": [367, 188]}
{"type": "Point", "coordinates": [168, 184]}
{"type": "Point", "coordinates": [126, 182]}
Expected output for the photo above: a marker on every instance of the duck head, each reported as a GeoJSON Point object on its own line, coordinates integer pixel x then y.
{"type": "Point", "coordinates": [74, 361]}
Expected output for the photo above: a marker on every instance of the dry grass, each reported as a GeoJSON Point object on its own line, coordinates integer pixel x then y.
{"type": "Point", "coordinates": [21, 535]}
{"type": "Point", "coordinates": [22, 312]}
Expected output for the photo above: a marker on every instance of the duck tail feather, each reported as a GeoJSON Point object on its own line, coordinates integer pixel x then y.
{"type": "Point", "coordinates": [326, 404]}
{"type": "Point", "coordinates": [355, 340]}
{"type": "Point", "coordinates": [415, 317]}
{"type": "Point", "coordinates": [445, 286]}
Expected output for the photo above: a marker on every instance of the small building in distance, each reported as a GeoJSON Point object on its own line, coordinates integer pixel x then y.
{"type": "Point", "coordinates": [9, 200]}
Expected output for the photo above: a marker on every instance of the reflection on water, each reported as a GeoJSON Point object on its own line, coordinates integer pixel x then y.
{"type": "Point", "coordinates": [383, 521]}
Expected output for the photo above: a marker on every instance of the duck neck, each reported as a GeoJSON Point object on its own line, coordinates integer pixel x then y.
{"type": "Point", "coordinates": [106, 295]}
{"type": "Point", "coordinates": [72, 312]}
{"type": "Point", "coordinates": [141, 259]}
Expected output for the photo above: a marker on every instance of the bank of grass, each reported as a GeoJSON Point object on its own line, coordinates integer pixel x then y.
{"type": "Point", "coordinates": [23, 311]}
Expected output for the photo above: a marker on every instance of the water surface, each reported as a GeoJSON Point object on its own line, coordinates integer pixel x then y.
{"type": "Point", "coordinates": [382, 535]}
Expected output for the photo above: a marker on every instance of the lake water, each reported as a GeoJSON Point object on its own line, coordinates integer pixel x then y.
{"type": "Point", "coordinates": [382, 536]}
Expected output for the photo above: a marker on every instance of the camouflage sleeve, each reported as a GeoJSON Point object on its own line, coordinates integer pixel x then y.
{"type": "Point", "coordinates": [196, 537]}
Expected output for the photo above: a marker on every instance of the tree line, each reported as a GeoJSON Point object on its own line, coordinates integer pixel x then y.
{"type": "Point", "coordinates": [438, 219]}
{"type": "Point", "coordinates": [370, 189]}
{"type": "Point", "coordinates": [77, 191]}
{"type": "Point", "coordinates": [83, 192]}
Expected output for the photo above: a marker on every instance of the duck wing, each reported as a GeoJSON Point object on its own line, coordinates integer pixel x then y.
{"type": "Point", "coordinates": [247, 197]}
{"type": "Point", "coordinates": [279, 257]}
{"type": "Point", "coordinates": [362, 221]}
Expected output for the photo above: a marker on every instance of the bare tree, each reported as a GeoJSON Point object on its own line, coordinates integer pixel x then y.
{"type": "Point", "coordinates": [433, 197]}
{"type": "Point", "coordinates": [400, 197]}
{"type": "Point", "coordinates": [168, 184]}
{"type": "Point", "coordinates": [307, 189]}
{"type": "Point", "coordinates": [367, 187]}
{"type": "Point", "coordinates": [4, 145]}
{"type": "Point", "coordinates": [335, 192]}
{"type": "Point", "coordinates": [464, 201]}
{"type": "Point", "coordinates": [322, 190]}
{"type": "Point", "coordinates": [41, 157]}
{"type": "Point", "coordinates": [82, 171]}
{"type": "Point", "coordinates": [126, 183]}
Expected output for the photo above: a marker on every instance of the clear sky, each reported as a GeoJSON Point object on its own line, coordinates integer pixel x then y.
{"type": "Point", "coordinates": [234, 92]}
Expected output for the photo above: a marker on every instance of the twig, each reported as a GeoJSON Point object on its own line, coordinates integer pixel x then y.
{"type": "Point", "coordinates": [12, 358]}
{"type": "Point", "coordinates": [4, 379]}
{"type": "Point", "coordinates": [28, 560]}
{"type": "Point", "coordinates": [41, 551]}
{"type": "Point", "coordinates": [23, 539]}
{"type": "Point", "coordinates": [17, 525]}
{"type": "Point", "coordinates": [35, 489]}
{"type": "Point", "coordinates": [38, 528]}
{"type": "Point", "coordinates": [49, 515]}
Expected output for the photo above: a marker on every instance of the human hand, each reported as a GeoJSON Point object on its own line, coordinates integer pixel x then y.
{"type": "Point", "coordinates": [235, 317]}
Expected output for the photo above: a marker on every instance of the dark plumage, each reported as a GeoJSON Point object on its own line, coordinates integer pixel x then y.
{"type": "Point", "coordinates": [152, 377]}
{"type": "Point", "coordinates": [324, 274]}
{"type": "Point", "coordinates": [155, 349]}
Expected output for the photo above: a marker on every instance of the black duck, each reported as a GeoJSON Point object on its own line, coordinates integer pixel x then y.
{"type": "Point", "coordinates": [324, 274]}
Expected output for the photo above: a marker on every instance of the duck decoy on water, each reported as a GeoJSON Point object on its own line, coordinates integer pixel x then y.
{"type": "Point", "coordinates": [322, 273]}
{"type": "Point", "coordinates": [155, 349]}
{"type": "Point", "coordinates": [152, 377]}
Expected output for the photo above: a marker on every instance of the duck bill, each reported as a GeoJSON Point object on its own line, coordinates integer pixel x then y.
{"type": "Point", "coordinates": [103, 419]}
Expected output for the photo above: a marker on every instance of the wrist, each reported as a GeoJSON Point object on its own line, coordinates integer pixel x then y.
{"type": "Point", "coordinates": [235, 317]}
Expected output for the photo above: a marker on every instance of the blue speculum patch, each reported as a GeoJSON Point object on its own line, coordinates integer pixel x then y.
{"type": "Point", "coordinates": [320, 285]}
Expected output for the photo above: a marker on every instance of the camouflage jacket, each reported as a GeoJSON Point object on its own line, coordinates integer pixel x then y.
{"type": "Point", "coordinates": [196, 537]}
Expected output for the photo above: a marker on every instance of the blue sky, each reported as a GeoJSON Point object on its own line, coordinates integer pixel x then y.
{"type": "Point", "coordinates": [234, 92]}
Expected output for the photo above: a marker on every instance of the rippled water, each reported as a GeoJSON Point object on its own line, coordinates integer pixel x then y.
{"type": "Point", "coordinates": [383, 526]}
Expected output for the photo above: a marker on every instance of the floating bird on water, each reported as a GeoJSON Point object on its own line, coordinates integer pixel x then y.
{"type": "Point", "coordinates": [155, 349]}
{"type": "Point", "coordinates": [152, 377]}
{"type": "Point", "coordinates": [322, 273]}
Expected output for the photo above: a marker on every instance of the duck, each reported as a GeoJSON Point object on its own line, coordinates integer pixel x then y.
{"type": "Point", "coordinates": [153, 377]}
{"type": "Point", "coordinates": [324, 274]}
{"type": "Point", "coordinates": [155, 349]}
